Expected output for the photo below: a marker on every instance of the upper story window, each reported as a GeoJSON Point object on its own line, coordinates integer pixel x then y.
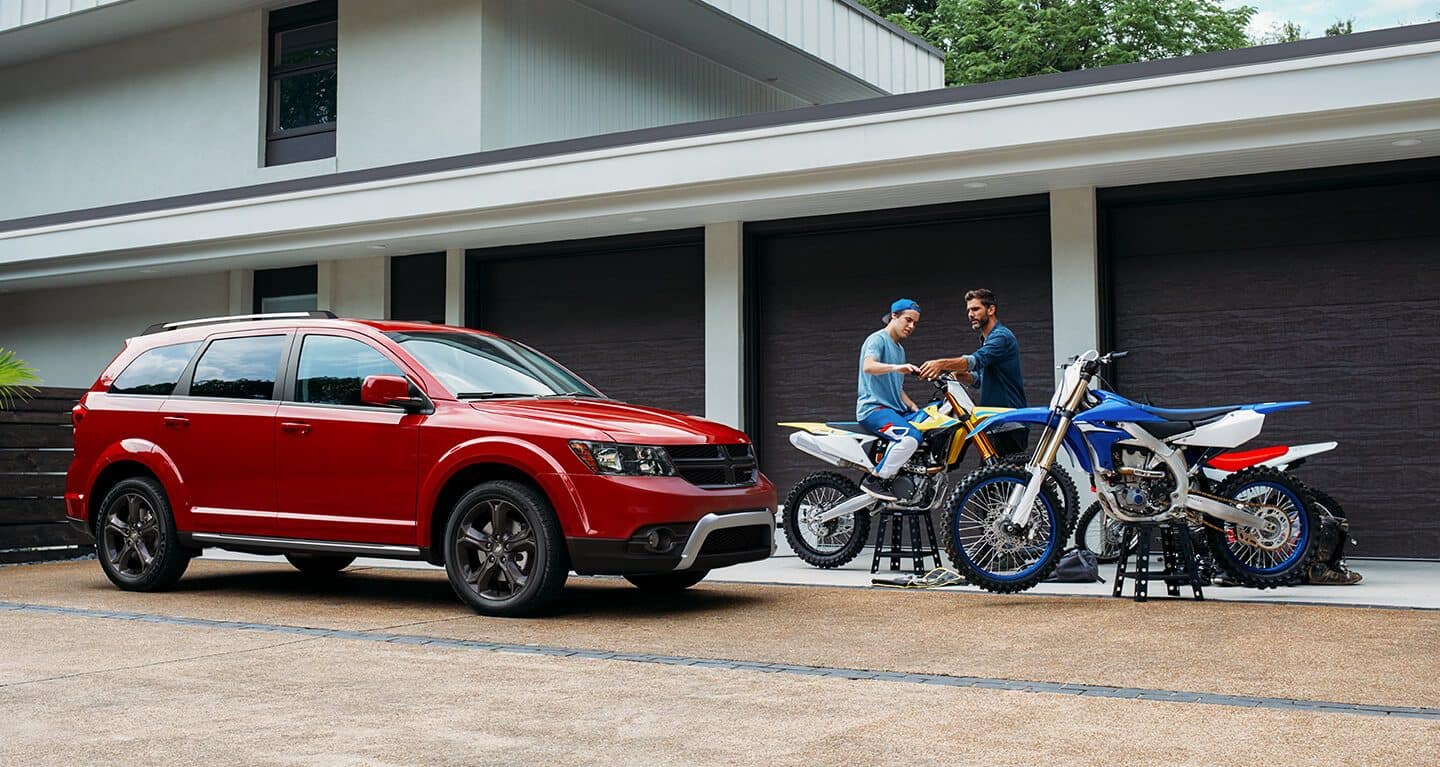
{"type": "Point", "coordinates": [300, 114]}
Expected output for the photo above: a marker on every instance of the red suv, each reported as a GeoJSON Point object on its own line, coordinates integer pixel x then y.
{"type": "Point", "coordinates": [326, 439]}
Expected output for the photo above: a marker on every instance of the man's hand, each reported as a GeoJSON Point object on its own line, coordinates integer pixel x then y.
{"type": "Point", "coordinates": [932, 369]}
{"type": "Point", "coordinates": [907, 369]}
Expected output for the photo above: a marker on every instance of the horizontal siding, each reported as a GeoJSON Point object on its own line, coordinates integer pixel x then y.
{"type": "Point", "coordinates": [19, 13]}
{"type": "Point", "coordinates": [846, 38]}
{"type": "Point", "coordinates": [555, 69]}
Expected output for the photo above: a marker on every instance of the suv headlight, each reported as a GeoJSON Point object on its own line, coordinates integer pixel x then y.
{"type": "Point", "coordinates": [623, 460]}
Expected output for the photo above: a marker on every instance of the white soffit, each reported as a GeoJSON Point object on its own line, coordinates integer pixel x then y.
{"type": "Point", "coordinates": [823, 51]}
{"type": "Point", "coordinates": [1353, 107]}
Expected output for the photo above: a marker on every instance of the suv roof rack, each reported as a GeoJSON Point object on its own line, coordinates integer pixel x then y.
{"type": "Point", "coordinates": [160, 327]}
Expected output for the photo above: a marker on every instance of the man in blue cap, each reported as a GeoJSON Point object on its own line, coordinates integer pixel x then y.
{"type": "Point", "coordinates": [882, 403]}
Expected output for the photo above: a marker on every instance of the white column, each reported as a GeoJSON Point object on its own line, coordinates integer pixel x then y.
{"type": "Point", "coordinates": [242, 291]}
{"type": "Point", "coordinates": [725, 323]}
{"type": "Point", "coordinates": [325, 286]}
{"type": "Point", "coordinates": [455, 287]}
{"type": "Point", "coordinates": [359, 287]}
{"type": "Point", "coordinates": [1074, 273]}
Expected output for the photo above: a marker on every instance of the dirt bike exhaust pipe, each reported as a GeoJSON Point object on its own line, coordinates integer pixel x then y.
{"type": "Point", "coordinates": [1229, 513]}
{"type": "Point", "coordinates": [851, 506]}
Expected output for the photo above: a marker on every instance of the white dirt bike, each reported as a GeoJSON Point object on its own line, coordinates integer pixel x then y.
{"type": "Point", "coordinates": [826, 517]}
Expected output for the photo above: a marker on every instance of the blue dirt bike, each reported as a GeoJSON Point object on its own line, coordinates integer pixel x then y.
{"type": "Point", "coordinates": [1005, 529]}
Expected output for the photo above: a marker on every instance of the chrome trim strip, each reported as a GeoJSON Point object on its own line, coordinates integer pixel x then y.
{"type": "Point", "coordinates": [712, 522]}
{"type": "Point", "coordinates": [296, 544]}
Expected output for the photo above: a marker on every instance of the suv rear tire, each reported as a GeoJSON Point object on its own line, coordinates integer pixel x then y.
{"type": "Point", "coordinates": [320, 564]}
{"type": "Point", "coordinates": [503, 550]}
{"type": "Point", "coordinates": [135, 537]}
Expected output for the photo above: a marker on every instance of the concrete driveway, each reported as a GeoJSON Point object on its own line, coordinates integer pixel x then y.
{"type": "Point", "coordinates": [251, 663]}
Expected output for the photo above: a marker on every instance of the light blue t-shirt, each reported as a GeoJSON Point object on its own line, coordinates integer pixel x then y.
{"type": "Point", "coordinates": [882, 390]}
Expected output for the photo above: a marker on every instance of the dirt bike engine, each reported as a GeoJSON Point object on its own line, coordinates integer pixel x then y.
{"type": "Point", "coordinates": [1143, 482]}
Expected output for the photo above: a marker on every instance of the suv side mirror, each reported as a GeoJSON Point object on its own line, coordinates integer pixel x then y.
{"type": "Point", "coordinates": [392, 391]}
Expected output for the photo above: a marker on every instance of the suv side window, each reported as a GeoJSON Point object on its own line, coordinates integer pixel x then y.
{"type": "Point", "coordinates": [333, 367]}
{"type": "Point", "coordinates": [156, 371]}
{"type": "Point", "coordinates": [239, 368]}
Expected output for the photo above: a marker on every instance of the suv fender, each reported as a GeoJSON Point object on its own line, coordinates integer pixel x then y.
{"type": "Point", "coordinates": [146, 454]}
{"type": "Point", "coordinates": [523, 457]}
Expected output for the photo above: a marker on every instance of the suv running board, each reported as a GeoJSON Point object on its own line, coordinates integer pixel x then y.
{"type": "Point", "coordinates": [259, 545]}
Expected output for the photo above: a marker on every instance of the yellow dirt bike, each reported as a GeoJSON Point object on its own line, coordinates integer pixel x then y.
{"type": "Point", "coordinates": [827, 518]}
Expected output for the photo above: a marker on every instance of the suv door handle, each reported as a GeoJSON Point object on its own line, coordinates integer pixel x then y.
{"type": "Point", "coordinates": [177, 422]}
{"type": "Point", "coordinates": [295, 427]}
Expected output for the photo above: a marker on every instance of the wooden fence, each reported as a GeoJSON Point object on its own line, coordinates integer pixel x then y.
{"type": "Point", "coordinates": [35, 450]}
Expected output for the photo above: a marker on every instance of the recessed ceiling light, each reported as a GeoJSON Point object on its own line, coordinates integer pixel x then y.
{"type": "Point", "coordinates": [1407, 142]}
{"type": "Point", "coordinates": [378, 247]}
{"type": "Point", "coordinates": [975, 185]}
{"type": "Point", "coordinates": [637, 219]}
{"type": "Point", "coordinates": [149, 271]}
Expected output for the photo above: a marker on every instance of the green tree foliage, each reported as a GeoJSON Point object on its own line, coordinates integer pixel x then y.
{"type": "Point", "coordinates": [15, 379]}
{"type": "Point", "coordinates": [1340, 27]}
{"type": "Point", "coordinates": [987, 40]}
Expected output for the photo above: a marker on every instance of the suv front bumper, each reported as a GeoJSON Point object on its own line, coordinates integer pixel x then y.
{"type": "Point", "coordinates": [751, 537]}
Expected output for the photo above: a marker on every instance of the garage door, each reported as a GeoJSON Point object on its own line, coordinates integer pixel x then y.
{"type": "Point", "coordinates": [1324, 290]}
{"type": "Point", "coordinates": [823, 285]}
{"type": "Point", "coordinates": [627, 315]}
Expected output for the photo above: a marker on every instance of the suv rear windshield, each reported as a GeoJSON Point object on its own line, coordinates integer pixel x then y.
{"type": "Point", "coordinates": [479, 367]}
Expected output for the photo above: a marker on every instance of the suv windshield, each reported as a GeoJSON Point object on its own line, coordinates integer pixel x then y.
{"type": "Point", "coordinates": [477, 367]}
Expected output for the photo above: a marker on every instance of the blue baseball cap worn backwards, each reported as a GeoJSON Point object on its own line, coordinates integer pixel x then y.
{"type": "Point", "coordinates": [903, 305]}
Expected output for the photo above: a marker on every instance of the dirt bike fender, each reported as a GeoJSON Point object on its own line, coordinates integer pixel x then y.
{"type": "Point", "coordinates": [839, 449]}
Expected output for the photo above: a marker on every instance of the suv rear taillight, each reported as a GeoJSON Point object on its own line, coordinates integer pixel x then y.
{"type": "Point", "coordinates": [77, 414]}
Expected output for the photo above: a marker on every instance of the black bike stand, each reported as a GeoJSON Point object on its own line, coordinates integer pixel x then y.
{"type": "Point", "coordinates": [894, 520]}
{"type": "Point", "coordinates": [1177, 554]}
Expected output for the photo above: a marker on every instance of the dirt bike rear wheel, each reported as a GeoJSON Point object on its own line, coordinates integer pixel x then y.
{"type": "Point", "coordinates": [825, 544]}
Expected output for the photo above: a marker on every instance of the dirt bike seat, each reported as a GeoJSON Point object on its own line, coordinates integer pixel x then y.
{"type": "Point", "coordinates": [1192, 415]}
{"type": "Point", "coordinates": [853, 427]}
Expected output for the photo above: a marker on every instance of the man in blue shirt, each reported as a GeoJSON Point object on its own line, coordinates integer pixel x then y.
{"type": "Point", "coordinates": [995, 367]}
{"type": "Point", "coordinates": [881, 405]}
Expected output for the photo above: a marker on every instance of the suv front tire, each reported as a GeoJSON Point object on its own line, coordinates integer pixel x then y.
{"type": "Point", "coordinates": [503, 550]}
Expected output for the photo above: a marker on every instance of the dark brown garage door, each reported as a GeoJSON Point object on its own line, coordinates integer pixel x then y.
{"type": "Point", "coordinates": [823, 285]}
{"type": "Point", "coordinates": [628, 315]}
{"type": "Point", "coordinates": [1324, 288]}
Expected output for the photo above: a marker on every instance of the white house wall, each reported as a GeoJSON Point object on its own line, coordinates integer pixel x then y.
{"type": "Point", "coordinates": [555, 69]}
{"type": "Point", "coordinates": [182, 110]}
{"type": "Point", "coordinates": [164, 114]}
{"type": "Point", "coordinates": [845, 37]}
{"type": "Point", "coordinates": [69, 334]}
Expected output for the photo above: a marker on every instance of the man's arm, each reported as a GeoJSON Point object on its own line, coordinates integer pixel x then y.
{"type": "Point", "coordinates": [874, 367]}
{"type": "Point", "coordinates": [960, 365]}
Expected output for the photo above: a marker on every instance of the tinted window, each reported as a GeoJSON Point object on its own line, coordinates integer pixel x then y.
{"type": "Point", "coordinates": [332, 369]}
{"type": "Point", "coordinates": [242, 368]}
{"type": "Point", "coordinates": [156, 371]}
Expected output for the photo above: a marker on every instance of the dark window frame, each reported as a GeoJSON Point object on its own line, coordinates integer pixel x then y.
{"type": "Point", "coordinates": [311, 142]}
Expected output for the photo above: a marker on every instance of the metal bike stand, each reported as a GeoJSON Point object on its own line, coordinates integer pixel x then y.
{"type": "Point", "coordinates": [1177, 554]}
{"type": "Point", "coordinates": [894, 521]}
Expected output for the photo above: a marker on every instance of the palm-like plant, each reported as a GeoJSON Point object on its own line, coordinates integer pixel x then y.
{"type": "Point", "coordinates": [16, 378]}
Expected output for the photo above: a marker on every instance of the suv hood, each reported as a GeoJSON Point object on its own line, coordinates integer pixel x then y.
{"type": "Point", "coordinates": [623, 422]}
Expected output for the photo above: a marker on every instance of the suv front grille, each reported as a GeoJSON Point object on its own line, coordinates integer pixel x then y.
{"type": "Point", "coordinates": [734, 540]}
{"type": "Point", "coordinates": [714, 466]}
